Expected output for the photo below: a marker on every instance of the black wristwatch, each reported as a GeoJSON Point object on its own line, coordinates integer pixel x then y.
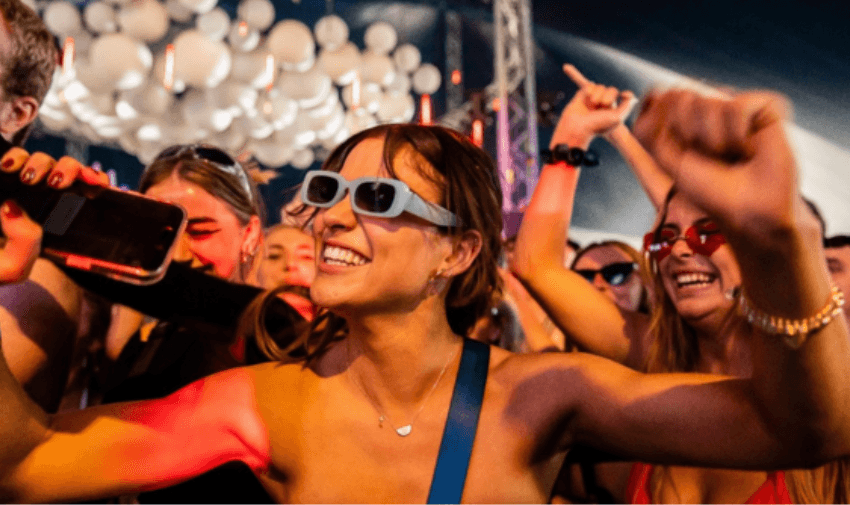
{"type": "Point", "coordinates": [573, 156]}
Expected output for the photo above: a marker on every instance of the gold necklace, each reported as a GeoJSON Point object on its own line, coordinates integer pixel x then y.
{"type": "Point", "coordinates": [405, 430]}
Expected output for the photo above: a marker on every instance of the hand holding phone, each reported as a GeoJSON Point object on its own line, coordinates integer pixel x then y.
{"type": "Point", "coordinates": [118, 234]}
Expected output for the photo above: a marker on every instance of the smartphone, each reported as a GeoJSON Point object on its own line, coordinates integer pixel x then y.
{"type": "Point", "coordinates": [121, 235]}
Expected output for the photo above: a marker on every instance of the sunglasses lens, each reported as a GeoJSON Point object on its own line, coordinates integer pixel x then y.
{"type": "Point", "coordinates": [618, 273]}
{"type": "Point", "coordinates": [375, 197]}
{"type": "Point", "coordinates": [169, 152]}
{"type": "Point", "coordinates": [587, 274]}
{"type": "Point", "coordinates": [322, 190]}
{"type": "Point", "coordinates": [215, 155]}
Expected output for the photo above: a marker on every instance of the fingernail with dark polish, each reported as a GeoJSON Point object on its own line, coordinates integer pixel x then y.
{"type": "Point", "coordinates": [28, 176]}
{"type": "Point", "coordinates": [55, 179]}
{"type": "Point", "coordinates": [11, 209]}
{"type": "Point", "coordinates": [8, 162]}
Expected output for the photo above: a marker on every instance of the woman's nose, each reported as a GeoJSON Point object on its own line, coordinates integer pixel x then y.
{"type": "Point", "coordinates": [183, 250]}
{"type": "Point", "coordinates": [340, 215]}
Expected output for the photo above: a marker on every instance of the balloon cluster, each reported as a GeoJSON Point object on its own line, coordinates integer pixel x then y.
{"type": "Point", "coordinates": [149, 74]}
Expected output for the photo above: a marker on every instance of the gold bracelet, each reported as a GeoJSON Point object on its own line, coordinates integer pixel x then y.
{"type": "Point", "coordinates": [793, 331]}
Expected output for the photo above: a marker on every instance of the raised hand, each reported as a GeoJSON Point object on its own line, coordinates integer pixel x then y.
{"type": "Point", "coordinates": [729, 156]}
{"type": "Point", "coordinates": [595, 109]}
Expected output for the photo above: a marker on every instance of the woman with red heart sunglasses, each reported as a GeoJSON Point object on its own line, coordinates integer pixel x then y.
{"type": "Point", "coordinates": [695, 325]}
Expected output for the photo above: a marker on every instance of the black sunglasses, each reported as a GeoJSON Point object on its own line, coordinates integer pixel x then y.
{"type": "Point", "coordinates": [614, 274]}
{"type": "Point", "coordinates": [212, 155]}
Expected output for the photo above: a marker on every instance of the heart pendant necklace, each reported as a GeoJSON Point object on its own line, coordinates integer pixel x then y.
{"type": "Point", "coordinates": [405, 430]}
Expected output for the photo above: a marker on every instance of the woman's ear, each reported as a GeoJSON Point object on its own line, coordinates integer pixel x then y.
{"type": "Point", "coordinates": [253, 237]}
{"type": "Point", "coordinates": [464, 251]}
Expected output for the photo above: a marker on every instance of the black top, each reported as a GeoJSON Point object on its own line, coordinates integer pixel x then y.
{"type": "Point", "coordinates": [198, 317]}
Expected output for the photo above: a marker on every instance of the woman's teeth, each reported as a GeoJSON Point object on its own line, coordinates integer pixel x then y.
{"type": "Point", "coordinates": [694, 279]}
{"type": "Point", "coordinates": [333, 255]}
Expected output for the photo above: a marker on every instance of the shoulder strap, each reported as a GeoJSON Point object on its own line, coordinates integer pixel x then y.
{"type": "Point", "coordinates": [456, 447]}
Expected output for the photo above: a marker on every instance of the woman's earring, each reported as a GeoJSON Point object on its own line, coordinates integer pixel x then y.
{"type": "Point", "coordinates": [434, 282]}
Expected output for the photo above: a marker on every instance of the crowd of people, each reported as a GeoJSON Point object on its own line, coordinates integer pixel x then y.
{"type": "Point", "coordinates": [387, 343]}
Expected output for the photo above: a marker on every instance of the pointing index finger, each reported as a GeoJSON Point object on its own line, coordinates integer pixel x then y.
{"type": "Point", "coordinates": [576, 76]}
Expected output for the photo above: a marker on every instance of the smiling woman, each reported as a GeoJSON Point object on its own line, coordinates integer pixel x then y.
{"type": "Point", "coordinates": [357, 412]}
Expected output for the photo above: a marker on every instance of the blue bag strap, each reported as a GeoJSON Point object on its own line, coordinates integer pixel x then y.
{"type": "Point", "coordinates": [456, 447]}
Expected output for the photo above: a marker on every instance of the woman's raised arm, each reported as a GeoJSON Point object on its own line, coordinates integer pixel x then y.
{"type": "Point", "coordinates": [588, 318]}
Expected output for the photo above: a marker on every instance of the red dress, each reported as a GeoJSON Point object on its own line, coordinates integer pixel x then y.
{"type": "Point", "coordinates": [773, 490]}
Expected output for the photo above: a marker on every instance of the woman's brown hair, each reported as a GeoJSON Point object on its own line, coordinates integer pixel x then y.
{"type": "Point", "coordinates": [470, 189]}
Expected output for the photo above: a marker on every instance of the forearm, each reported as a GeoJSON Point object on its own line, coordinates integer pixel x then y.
{"type": "Point", "coordinates": [803, 391]}
{"type": "Point", "coordinates": [23, 425]}
{"type": "Point", "coordinates": [182, 293]}
{"type": "Point", "coordinates": [543, 233]}
{"type": "Point", "coordinates": [654, 181]}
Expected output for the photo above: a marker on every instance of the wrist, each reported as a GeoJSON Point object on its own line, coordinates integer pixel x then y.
{"type": "Point", "coordinates": [618, 134]}
{"type": "Point", "coordinates": [582, 141]}
{"type": "Point", "coordinates": [568, 155]}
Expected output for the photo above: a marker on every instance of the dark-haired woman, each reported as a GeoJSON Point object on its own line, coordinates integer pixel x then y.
{"type": "Point", "coordinates": [408, 236]}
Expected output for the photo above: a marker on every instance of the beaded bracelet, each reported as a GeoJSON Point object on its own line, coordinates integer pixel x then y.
{"type": "Point", "coordinates": [793, 331]}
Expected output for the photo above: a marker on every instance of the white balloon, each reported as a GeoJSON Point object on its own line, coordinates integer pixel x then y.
{"type": "Point", "coordinates": [107, 127]}
{"type": "Point", "coordinates": [199, 111]}
{"type": "Point", "coordinates": [407, 58]}
{"type": "Point", "coordinates": [396, 109]}
{"type": "Point", "coordinates": [400, 85]}
{"type": "Point", "coordinates": [199, 6]}
{"type": "Point", "coordinates": [340, 137]}
{"type": "Point", "coordinates": [232, 140]}
{"type": "Point", "coordinates": [120, 62]}
{"type": "Point", "coordinates": [82, 42]}
{"type": "Point", "coordinates": [340, 64]}
{"type": "Point", "coordinates": [259, 14]}
{"type": "Point", "coordinates": [380, 37]}
{"type": "Point", "coordinates": [291, 43]}
{"type": "Point", "coordinates": [255, 125]}
{"type": "Point", "coordinates": [179, 12]}
{"type": "Point", "coordinates": [31, 4]}
{"type": "Point", "coordinates": [234, 97]}
{"type": "Point", "coordinates": [277, 109]}
{"type": "Point", "coordinates": [214, 24]}
{"type": "Point", "coordinates": [308, 88]}
{"type": "Point", "coordinates": [150, 99]}
{"type": "Point", "coordinates": [370, 97]}
{"type": "Point", "coordinates": [358, 120]}
{"type": "Point", "coordinates": [55, 120]}
{"type": "Point", "coordinates": [145, 20]}
{"type": "Point", "coordinates": [199, 61]}
{"type": "Point", "coordinates": [297, 134]}
{"type": "Point", "coordinates": [243, 39]}
{"type": "Point", "coordinates": [270, 152]}
{"type": "Point", "coordinates": [99, 18]}
{"type": "Point", "coordinates": [331, 32]}
{"type": "Point", "coordinates": [426, 79]}
{"type": "Point", "coordinates": [377, 68]}
{"type": "Point", "coordinates": [176, 130]}
{"type": "Point", "coordinates": [302, 159]}
{"type": "Point", "coordinates": [331, 124]}
{"type": "Point", "coordinates": [62, 19]}
{"type": "Point", "coordinates": [251, 69]}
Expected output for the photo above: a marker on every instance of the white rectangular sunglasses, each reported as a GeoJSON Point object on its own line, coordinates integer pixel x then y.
{"type": "Point", "coordinates": [371, 196]}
